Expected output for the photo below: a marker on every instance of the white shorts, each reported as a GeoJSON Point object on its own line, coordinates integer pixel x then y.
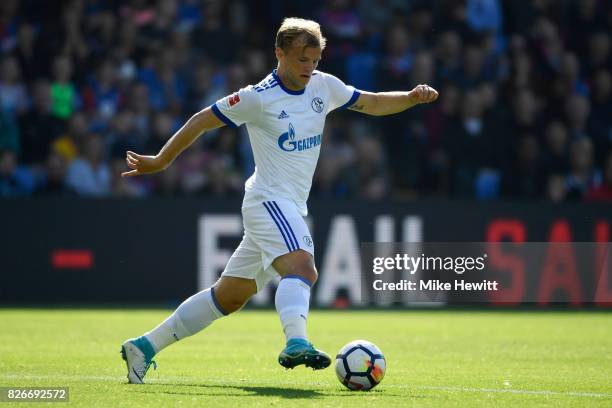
{"type": "Point", "coordinates": [271, 229]}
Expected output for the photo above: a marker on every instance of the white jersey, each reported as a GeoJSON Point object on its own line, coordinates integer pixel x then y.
{"type": "Point", "coordinates": [285, 128]}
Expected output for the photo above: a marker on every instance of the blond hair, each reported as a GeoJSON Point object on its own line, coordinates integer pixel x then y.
{"type": "Point", "coordinates": [293, 28]}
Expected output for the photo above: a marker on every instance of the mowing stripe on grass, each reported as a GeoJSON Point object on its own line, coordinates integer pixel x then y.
{"type": "Point", "coordinates": [178, 381]}
{"type": "Point", "coordinates": [515, 391]}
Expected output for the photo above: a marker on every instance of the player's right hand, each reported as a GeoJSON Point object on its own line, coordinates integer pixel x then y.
{"type": "Point", "coordinates": [423, 94]}
{"type": "Point", "coordinates": [142, 164]}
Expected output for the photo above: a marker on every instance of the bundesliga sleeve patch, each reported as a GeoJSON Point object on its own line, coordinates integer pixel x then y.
{"type": "Point", "coordinates": [233, 99]}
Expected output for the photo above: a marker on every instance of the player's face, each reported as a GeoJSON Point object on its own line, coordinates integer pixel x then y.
{"type": "Point", "coordinates": [296, 65]}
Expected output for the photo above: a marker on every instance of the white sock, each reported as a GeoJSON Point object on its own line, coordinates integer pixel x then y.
{"type": "Point", "coordinates": [292, 301]}
{"type": "Point", "coordinates": [193, 315]}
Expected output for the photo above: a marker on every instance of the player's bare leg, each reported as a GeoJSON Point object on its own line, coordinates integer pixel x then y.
{"type": "Point", "coordinates": [298, 274]}
{"type": "Point", "coordinates": [232, 293]}
{"type": "Point", "coordinates": [228, 295]}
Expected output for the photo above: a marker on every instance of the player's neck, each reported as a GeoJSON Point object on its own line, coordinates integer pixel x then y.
{"type": "Point", "coordinates": [287, 82]}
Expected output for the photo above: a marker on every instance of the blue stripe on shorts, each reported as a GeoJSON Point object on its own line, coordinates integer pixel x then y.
{"type": "Point", "coordinates": [281, 229]}
{"type": "Point", "coordinates": [290, 232]}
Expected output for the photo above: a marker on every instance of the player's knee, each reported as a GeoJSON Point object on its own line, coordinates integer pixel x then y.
{"type": "Point", "coordinates": [309, 273]}
{"type": "Point", "coordinates": [232, 303]}
{"type": "Point", "coordinates": [298, 263]}
{"type": "Point", "coordinates": [235, 305]}
{"type": "Point", "coordinates": [233, 293]}
{"type": "Point", "coordinates": [314, 275]}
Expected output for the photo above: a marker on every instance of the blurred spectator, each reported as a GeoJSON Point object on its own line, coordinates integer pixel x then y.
{"type": "Point", "coordinates": [420, 24]}
{"type": "Point", "coordinates": [448, 54]}
{"type": "Point", "coordinates": [166, 89]}
{"type": "Point", "coordinates": [568, 80]}
{"type": "Point", "coordinates": [370, 178]}
{"type": "Point", "coordinates": [336, 159]}
{"type": "Point", "coordinates": [222, 179]}
{"type": "Point", "coordinates": [526, 113]}
{"type": "Point", "coordinates": [202, 90]}
{"type": "Point", "coordinates": [452, 16]}
{"type": "Point", "coordinates": [126, 51]}
{"type": "Point", "coordinates": [257, 63]}
{"type": "Point", "coordinates": [438, 122]}
{"type": "Point", "coordinates": [525, 178]}
{"type": "Point", "coordinates": [192, 180]}
{"type": "Point", "coordinates": [343, 24]}
{"type": "Point", "coordinates": [396, 66]}
{"type": "Point", "coordinates": [76, 134]}
{"type": "Point", "coordinates": [214, 38]}
{"type": "Point", "coordinates": [468, 143]}
{"type": "Point", "coordinates": [124, 135]}
{"type": "Point", "coordinates": [343, 27]}
{"type": "Point", "coordinates": [522, 73]}
{"type": "Point", "coordinates": [15, 180]}
{"type": "Point", "coordinates": [184, 54]}
{"type": "Point", "coordinates": [484, 15]}
{"type": "Point", "coordinates": [441, 118]}
{"type": "Point", "coordinates": [160, 133]}
{"type": "Point", "coordinates": [472, 70]}
{"type": "Point", "coordinates": [64, 98]}
{"type": "Point", "coordinates": [577, 111]}
{"type": "Point", "coordinates": [556, 151]}
{"type": "Point", "coordinates": [24, 51]}
{"type": "Point", "coordinates": [101, 26]}
{"type": "Point", "coordinates": [154, 34]}
{"type": "Point", "coordinates": [497, 113]}
{"type": "Point", "coordinates": [584, 16]}
{"type": "Point", "coordinates": [38, 126]}
{"type": "Point", "coordinates": [600, 52]}
{"type": "Point", "coordinates": [524, 109]}
{"type": "Point", "coordinates": [600, 124]}
{"type": "Point", "coordinates": [167, 182]}
{"type": "Point", "coordinates": [88, 174]}
{"type": "Point", "coordinates": [13, 95]}
{"type": "Point", "coordinates": [9, 133]}
{"type": "Point", "coordinates": [582, 176]}
{"type": "Point", "coordinates": [603, 192]}
{"type": "Point", "coordinates": [547, 47]}
{"type": "Point", "coordinates": [556, 190]}
{"type": "Point", "coordinates": [101, 96]}
{"type": "Point", "coordinates": [54, 182]}
{"type": "Point", "coordinates": [124, 186]}
{"type": "Point", "coordinates": [138, 103]}
{"type": "Point", "coordinates": [8, 23]}
{"type": "Point", "coordinates": [74, 44]}
{"type": "Point", "coordinates": [423, 71]}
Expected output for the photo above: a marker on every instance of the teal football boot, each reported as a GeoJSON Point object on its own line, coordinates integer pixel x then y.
{"type": "Point", "coordinates": [138, 355]}
{"type": "Point", "coordinates": [300, 351]}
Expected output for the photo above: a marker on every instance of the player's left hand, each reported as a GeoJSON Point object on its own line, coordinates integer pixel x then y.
{"type": "Point", "coordinates": [423, 94]}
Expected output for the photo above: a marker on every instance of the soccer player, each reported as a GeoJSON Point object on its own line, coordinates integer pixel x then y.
{"type": "Point", "coordinates": [284, 115]}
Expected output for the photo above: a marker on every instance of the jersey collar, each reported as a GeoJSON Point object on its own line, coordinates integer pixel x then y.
{"type": "Point", "coordinates": [284, 88]}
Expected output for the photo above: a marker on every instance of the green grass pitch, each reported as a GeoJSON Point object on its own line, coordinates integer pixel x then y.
{"type": "Point", "coordinates": [435, 359]}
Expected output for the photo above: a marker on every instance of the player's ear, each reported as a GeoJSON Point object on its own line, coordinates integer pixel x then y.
{"type": "Point", "coordinates": [279, 53]}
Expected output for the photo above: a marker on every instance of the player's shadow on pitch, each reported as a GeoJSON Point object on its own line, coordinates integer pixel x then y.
{"type": "Point", "coordinates": [289, 393]}
{"type": "Point", "coordinates": [280, 392]}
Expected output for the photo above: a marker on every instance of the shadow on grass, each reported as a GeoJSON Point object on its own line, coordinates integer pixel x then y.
{"type": "Point", "coordinates": [219, 390]}
{"type": "Point", "coordinates": [232, 390]}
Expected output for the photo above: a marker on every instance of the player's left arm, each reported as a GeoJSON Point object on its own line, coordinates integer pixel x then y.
{"type": "Point", "coordinates": [388, 103]}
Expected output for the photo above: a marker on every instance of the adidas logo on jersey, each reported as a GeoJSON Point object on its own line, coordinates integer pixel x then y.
{"type": "Point", "coordinates": [283, 115]}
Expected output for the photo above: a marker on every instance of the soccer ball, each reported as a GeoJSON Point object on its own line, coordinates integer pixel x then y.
{"type": "Point", "coordinates": [360, 365]}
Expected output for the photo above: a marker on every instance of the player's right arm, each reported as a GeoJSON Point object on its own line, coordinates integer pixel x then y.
{"type": "Point", "coordinates": [196, 125]}
{"type": "Point", "coordinates": [232, 110]}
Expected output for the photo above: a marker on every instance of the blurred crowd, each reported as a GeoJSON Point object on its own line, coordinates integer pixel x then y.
{"type": "Point", "coordinates": [525, 108]}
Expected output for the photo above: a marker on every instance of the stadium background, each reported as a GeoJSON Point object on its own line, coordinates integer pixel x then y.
{"type": "Point", "coordinates": [521, 135]}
